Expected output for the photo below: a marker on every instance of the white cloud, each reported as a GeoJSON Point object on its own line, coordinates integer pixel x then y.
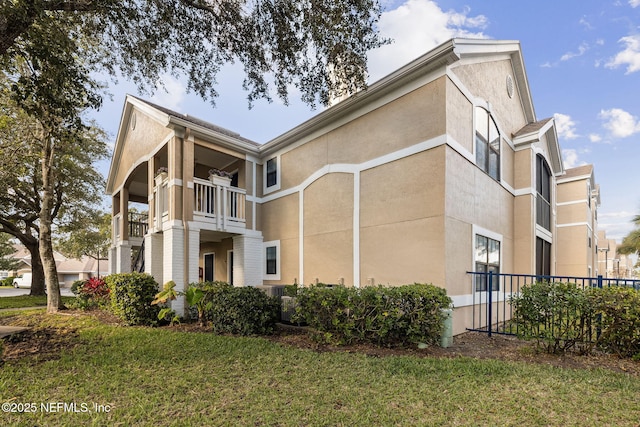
{"type": "Point", "coordinates": [634, 3]}
{"type": "Point", "coordinates": [570, 158]}
{"type": "Point", "coordinates": [594, 137]}
{"type": "Point", "coordinates": [416, 27]}
{"type": "Point", "coordinates": [565, 127]}
{"type": "Point", "coordinates": [172, 95]}
{"type": "Point", "coordinates": [620, 123]}
{"type": "Point", "coordinates": [582, 49]}
{"type": "Point", "coordinates": [630, 56]}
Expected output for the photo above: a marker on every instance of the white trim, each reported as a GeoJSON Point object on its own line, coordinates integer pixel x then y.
{"type": "Point", "coordinates": [301, 237]}
{"type": "Point", "coordinates": [574, 202]}
{"type": "Point", "coordinates": [175, 182]}
{"type": "Point", "coordinates": [270, 244]}
{"type": "Point", "coordinates": [574, 224]}
{"type": "Point", "coordinates": [356, 230]}
{"type": "Point", "coordinates": [544, 234]}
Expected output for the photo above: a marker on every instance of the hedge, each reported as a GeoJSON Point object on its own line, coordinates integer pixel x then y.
{"type": "Point", "coordinates": [131, 297]}
{"type": "Point", "coordinates": [562, 317]}
{"type": "Point", "coordinates": [408, 314]}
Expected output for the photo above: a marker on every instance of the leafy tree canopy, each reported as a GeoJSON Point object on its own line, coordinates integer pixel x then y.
{"type": "Point", "coordinates": [317, 46]}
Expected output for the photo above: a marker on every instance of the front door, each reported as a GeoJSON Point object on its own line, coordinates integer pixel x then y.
{"type": "Point", "coordinates": [209, 262]}
{"type": "Point", "coordinates": [230, 264]}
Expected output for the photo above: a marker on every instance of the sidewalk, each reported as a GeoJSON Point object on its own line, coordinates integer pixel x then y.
{"type": "Point", "coordinates": [6, 331]}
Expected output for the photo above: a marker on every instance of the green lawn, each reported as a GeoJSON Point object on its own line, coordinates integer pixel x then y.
{"type": "Point", "coordinates": [157, 377]}
{"type": "Point", "coordinates": [27, 301]}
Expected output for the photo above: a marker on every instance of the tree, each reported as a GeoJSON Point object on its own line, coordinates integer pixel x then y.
{"type": "Point", "coordinates": [89, 236]}
{"type": "Point", "coordinates": [6, 249]}
{"type": "Point", "coordinates": [318, 46]}
{"type": "Point", "coordinates": [631, 243]}
{"type": "Point", "coordinates": [47, 174]}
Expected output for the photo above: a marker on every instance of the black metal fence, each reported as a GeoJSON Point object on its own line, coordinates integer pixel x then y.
{"type": "Point", "coordinates": [491, 293]}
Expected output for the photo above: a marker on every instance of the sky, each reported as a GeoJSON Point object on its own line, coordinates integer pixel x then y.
{"type": "Point", "coordinates": [582, 59]}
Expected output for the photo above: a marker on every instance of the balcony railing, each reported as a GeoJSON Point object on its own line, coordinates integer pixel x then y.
{"type": "Point", "coordinates": [222, 204]}
{"type": "Point", "coordinates": [138, 224]}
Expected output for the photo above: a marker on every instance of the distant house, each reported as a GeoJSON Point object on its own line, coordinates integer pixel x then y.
{"type": "Point", "coordinates": [578, 198]}
{"type": "Point", "coordinates": [69, 269]}
{"type": "Point", "coordinates": [438, 169]}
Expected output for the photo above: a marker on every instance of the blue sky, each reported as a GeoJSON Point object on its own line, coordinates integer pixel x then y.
{"type": "Point", "coordinates": [582, 59]}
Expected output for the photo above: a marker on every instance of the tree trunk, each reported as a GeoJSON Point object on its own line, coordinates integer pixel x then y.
{"type": "Point", "coordinates": [54, 301]}
{"type": "Point", "coordinates": [37, 278]}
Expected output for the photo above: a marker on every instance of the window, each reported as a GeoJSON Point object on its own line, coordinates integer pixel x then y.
{"type": "Point", "coordinates": [487, 144]}
{"type": "Point", "coordinates": [272, 257]}
{"type": "Point", "coordinates": [543, 257]}
{"type": "Point", "coordinates": [543, 188]}
{"type": "Point", "coordinates": [272, 260]}
{"type": "Point", "coordinates": [272, 172]}
{"type": "Point", "coordinates": [487, 261]}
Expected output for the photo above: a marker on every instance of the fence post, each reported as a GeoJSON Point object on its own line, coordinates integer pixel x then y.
{"type": "Point", "coordinates": [490, 301]}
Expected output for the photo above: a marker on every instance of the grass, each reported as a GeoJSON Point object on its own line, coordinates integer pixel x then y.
{"type": "Point", "coordinates": [156, 377]}
{"type": "Point", "coordinates": [22, 301]}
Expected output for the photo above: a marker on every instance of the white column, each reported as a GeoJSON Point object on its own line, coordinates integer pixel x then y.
{"type": "Point", "coordinates": [123, 257]}
{"type": "Point", "coordinates": [247, 260]}
{"type": "Point", "coordinates": [193, 254]}
{"type": "Point", "coordinates": [153, 259]}
{"type": "Point", "coordinates": [173, 263]}
{"type": "Point", "coordinates": [113, 256]}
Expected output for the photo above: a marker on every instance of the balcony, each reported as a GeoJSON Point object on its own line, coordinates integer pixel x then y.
{"type": "Point", "coordinates": [219, 204]}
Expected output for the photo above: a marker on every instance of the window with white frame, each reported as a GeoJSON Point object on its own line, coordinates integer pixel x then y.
{"type": "Point", "coordinates": [272, 174]}
{"type": "Point", "coordinates": [543, 190]}
{"type": "Point", "coordinates": [272, 260]}
{"type": "Point", "coordinates": [487, 260]}
{"type": "Point", "coordinates": [487, 143]}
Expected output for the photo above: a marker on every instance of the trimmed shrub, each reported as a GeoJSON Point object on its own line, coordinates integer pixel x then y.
{"type": "Point", "coordinates": [618, 316]}
{"type": "Point", "coordinates": [239, 310]}
{"type": "Point", "coordinates": [131, 297]}
{"type": "Point", "coordinates": [8, 281]}
{"type": "Point", "coordinates": [388, 316]}
{"type": "Point", "coordinates": [76, 285]}
{"type": "Point", "coordinates": [558, 316]}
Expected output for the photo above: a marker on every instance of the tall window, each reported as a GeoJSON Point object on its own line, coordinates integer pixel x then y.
{"type": "Point", "coordinates": [272, 260]}
{"type": "Point", "coordinates": [272, 256]}
{"type": "Point", "coordinates": [543, 188]}
{"type": "Point", "coordinates": [487, 260]}
{"type": "Point", "coordinates": [487, 144]}
{"type": "Point", "coordinates": [543, 257]}
{"type": "Point", "coordinates": [272, 172]}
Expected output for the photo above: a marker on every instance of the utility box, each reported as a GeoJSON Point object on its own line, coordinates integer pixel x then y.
{"type": "Point", "coordinates": [447, 327]}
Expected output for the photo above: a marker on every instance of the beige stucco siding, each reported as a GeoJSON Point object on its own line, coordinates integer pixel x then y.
{"type": "Point", "coordinates": [574, 255]}
{"type": "Point", "coordinates": [299, 163]}
{"type": "Point", "coordinates": [138, 144]}
{"type": "Point", "coordinates": [404, 190]}
{"type": "Point", "coordinates": [220, 249]}
{"type": "Point", "coordinates": [280, 218]}
{"type": "Point", "coordinates": [415, 117]}
{"type": "Point", "coordinates": [488, 81]}
{"type": "Point", "coordinates": [328, 229]}
{"type": "Point", "coordinates": [459, 117]}
{"type": "Point", "coordinates": [403, 252]}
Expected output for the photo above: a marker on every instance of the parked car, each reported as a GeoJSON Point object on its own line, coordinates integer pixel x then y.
{"type": "Point", "coordinates": [23, 281]}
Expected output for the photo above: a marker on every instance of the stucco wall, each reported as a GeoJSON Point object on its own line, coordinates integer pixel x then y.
{"type": "Point", "coordinates": [138, 144]}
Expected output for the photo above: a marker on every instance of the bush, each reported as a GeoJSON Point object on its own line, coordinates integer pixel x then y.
{"type": "Point", "coordinates": [91, 293]}
{"type": "Point", "coordinates": [76, 285]}
{"type": "Point", "coordinates": [131, 297]}
{"type": "Point", "coordinates": [8, 281]}
{"type": "Point", "coordinates": [238, 310]}
{"type": "Point", "coordinates": [558, 316]}
{"type": "Point", "coordinates": [379, 315]}
{"type": "Point", "coordinates": [618, 311]}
